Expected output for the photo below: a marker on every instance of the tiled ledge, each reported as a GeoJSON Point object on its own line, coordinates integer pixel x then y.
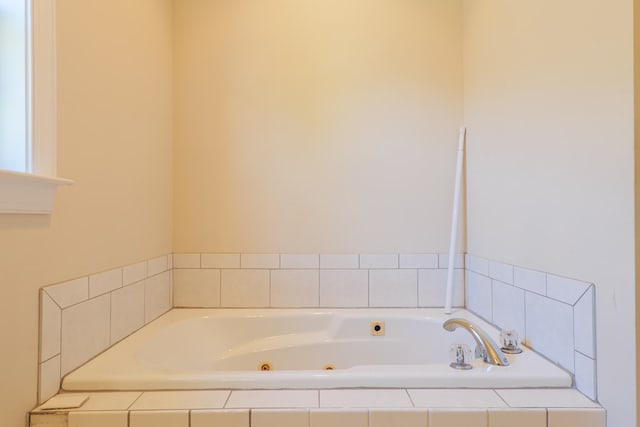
{"type": "Point", "coordinates": [329, 408]}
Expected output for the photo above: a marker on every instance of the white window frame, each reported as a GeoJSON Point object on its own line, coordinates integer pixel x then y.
{"type": "Point", "coordinates": [34, 192]}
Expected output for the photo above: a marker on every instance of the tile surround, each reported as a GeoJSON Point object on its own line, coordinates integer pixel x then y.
{"type": "Point", "coordinates": [99, 419]}
{"type": "Point", "coordinates": [457, 418]}
{"type": "Point", "coordinates": [226, 418]}
{"type": "Point", "coordinates": [280, 418]}
{"type": "Point", "coordinates": [364, 399]}
{"type": "Point", "coordinates": [187, 399]}
{"type": "Point", "coordinates": [314, 280]}
{"type": "Point", "coordinates": [83, 317]}
{"type": "Point", "coordinates": [559, 313]}
{"type": "Point", "coordinates": [159, 419]}
{"type": "Point", "coordinates": [341, 280]}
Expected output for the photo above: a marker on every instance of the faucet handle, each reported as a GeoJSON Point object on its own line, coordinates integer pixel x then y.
{"type": "Point", "coordinates": [460, 356]}
{"type": "Point", "coordinates": [510, 342]}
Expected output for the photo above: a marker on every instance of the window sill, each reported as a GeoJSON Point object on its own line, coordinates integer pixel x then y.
{"type": "Point", "coordinates": [25, 193]}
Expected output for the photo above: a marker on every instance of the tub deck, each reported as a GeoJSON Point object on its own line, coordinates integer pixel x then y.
{"type": "Point", "coordinates": [330, 408]}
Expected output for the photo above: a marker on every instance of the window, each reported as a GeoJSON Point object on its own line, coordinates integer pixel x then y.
{"type": "Point", "coordinates": [27, 107]}
{"type": "Point", "coordinates": [14, 91]}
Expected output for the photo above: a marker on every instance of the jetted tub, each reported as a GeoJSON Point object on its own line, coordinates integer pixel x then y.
{"type": "Point", "coordinates": [228, 348]}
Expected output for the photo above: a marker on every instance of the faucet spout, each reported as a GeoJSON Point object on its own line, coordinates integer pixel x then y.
{"type": "Point", "coordinates": [491, 353]}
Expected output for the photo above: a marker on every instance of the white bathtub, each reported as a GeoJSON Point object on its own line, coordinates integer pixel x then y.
{"type": "Point", "coordinates": [224, 349]}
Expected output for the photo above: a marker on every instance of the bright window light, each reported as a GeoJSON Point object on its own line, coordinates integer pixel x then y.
{"type": "Point", "coordinates": [14, 86]}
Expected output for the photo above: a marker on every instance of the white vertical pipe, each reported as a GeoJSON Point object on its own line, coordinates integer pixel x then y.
{"type": "Point", "coordinates": [454, 221]}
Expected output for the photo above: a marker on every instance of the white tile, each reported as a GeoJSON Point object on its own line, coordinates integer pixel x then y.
{"type": "Point", "coordinates": [545, 398]}
{"type": "Point", "coordinates": [339, 418]}
{"type": "Point", "coordinates": [566, 290]}
{"type": "Point", "coordinates": [393, 288]}
{"type": "Point", "coordinates": [64, 401]}
{"type": "Point", "coordinates": [157, 296]}
{"type": "Point", "coordinates": [586, 375]}
{"type": "Point", "coordinates": [530, 280]}
{"type": "Point", "coordinates": [457, 418]}
{"type": "Point", "coordinates": [418, 260]}
{"type": "Point", "coordinates": [222, 418]}
{"type": "Point", "coordinates": [372, 261]}
{"type": "Point", "coordinates": [134, 273]}
{"type": "Point", "coordinates": [330, 261]}
{"type": "Point", "coordinates": [104, 282]}
{"type": "Point", "coordinates": [244, 288]}
{"type": "Point", "coordinates": [184, 399]}
{"type": "Point", "coordinates": [584, 325]}
{"type": "Point", "coordinates": [517, 417]}
{"type": "Point", "coordinates": [363, 398]}
{"type": "Point", "coordinates": [432, 287]}
{"type": "Point", "coordinates": [501, 272]}
{"type": "Point", "coordinates": [69, 293]}
{"type": "Point", "coordinates": [158, 265]}
{"type": "Point", "coordinates": [344, 288]}
{"type": "Point", "coordinates": [220, 260]}
{"type": "Point", "coordinates": [49, 381]}
{"type": "Point", "coordinates": [99, 419]}
{"type": "Point", "coordinates": [577, 418]}
{"type": "Point", "coordinates": [273, 399]}
{"type": "Point", "coordinates": [295, 288]}
{"type": "Point", "coordinates": [479, 298]}
{"type": "Point", "coordinates": [549, 328]}
{"type": "Point", "coordinates": [260, 261]}
{"type": "Point", "coordinates": [186, 260]}
{"type": "Point", "coordinates": [50, 323]}
{"type": "Point", "coordinates": [455, 398]}
{"type": "Point", "coordinates": [127, 311]}
{"type": "Point", "coordinates": [280, 418]}
{"type": "Point", "coordinates": [443, 260]}
{"type": "Point", "coordinates": [508, 307]}
{"type": "Point", "coordinates": [159, 419]}
{"type": "Point", "coordinates": [196, 288]}
{"type": "Point", "coordinates": [398, 418]}
{"type": "Point", "coordinates": [109, 400]}
{"type": "Point", "coordinates": [478, 265]}
{"type": "Point", "coordinates": [300, 261]}
{"type": "Point", "coordinates": [85, 331]}
{"type": "Point", "coordinates": [48, 420]}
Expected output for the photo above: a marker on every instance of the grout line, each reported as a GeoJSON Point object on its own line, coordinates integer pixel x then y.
{"type": "Point", "coordinates": [270, 271]}
{"type": "Point", "coordinates": [135, 400]}
{"type": "Point", "coordinates": [501, 398]}
{"type": "Point", "coordinates": [579, 352]}
{"type": "Point", "coordinates": [318, 291]}
{"type": "Point", "coordinates": [413, 404]}
{"type": "Point", "coordinates": [226, 401]}
{"type": "Point", "coordinates": [582, 294]}
{"type": "Point", "coordinates": [417, 287]}
{"type": "Point", "coordinates": [220, 288]}
{"type": "Point", "coordinates": [369, 288]}
{"type": "Point", "coordinates": [110, 319]}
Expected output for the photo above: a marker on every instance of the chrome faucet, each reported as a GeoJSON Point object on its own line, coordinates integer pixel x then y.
{"type": "Point", "coordinates": [486, 349]}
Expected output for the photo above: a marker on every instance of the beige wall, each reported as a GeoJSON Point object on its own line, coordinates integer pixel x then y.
{"type": "Point", "coordinates": [315, 126]}
{"type": "Point", "coordinates": [549, 108]}
{"type": "Point", "coordinates": [114, 118]}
